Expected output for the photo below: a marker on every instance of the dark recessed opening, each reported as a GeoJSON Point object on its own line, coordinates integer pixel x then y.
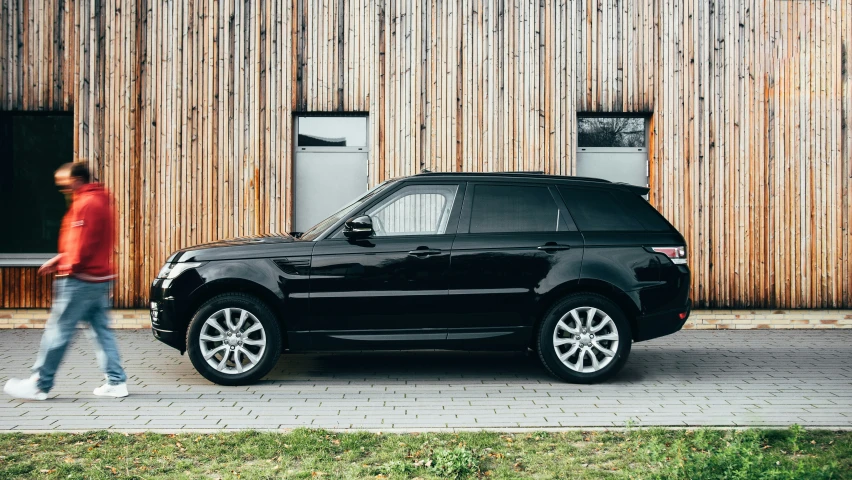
{"type": "Point", "coordinates": [32, 147]}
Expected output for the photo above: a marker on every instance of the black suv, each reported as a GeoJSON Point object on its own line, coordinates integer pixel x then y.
{"type": "Point", "coordinates": [575, 268]}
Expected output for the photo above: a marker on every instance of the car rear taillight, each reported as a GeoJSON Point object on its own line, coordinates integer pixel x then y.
{"type": "Point", "coordinates": [676, 254]}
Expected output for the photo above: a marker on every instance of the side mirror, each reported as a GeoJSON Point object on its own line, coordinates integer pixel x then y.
{"type": "Point", "coordinates": [358, 227]}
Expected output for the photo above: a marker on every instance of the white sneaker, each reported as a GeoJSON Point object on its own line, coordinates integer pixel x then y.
{"type": "Point", "coordinates": [107, 390]}
{"type": "Point", "coordinates": [26, 389]}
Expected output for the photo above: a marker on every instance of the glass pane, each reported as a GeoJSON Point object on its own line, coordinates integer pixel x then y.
{"type": "Point", "coordinates": [332, 132]}
{"type": "Point", "coordinates": [32, 147]}
{"type": "Point", "coordinates": [611, 132]}
{"type": "Point", "coordinates": [415, 210]}
{"type": "Point", "coordinates": [639, 208]}
{"type": "Point", "coordinates": [507, 209]}
{"type": "Point", "coordinates": [597, 210]}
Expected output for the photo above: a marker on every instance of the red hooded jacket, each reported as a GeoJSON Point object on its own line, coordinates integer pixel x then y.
{"type": "Point", "coordinates": [86, 238]}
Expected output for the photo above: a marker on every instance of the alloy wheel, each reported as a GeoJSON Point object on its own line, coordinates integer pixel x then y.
{"type": "Point", "coordinates": [585, 339]}
{"type": "Point", "coordinates": [232, 341]}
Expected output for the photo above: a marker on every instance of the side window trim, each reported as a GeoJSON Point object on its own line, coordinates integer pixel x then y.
{"type": "Point", "coordinates": [461, 193]}
{"type": "Point", "coordinates": [467, 208]}
{"type": "Point", "coordinates": [563, 209]}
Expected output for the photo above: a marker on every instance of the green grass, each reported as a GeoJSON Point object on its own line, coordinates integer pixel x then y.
{"type": "Point", "coordinates": [633, 453]}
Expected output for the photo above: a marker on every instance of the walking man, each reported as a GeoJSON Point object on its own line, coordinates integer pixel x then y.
{"type": "Point", "coordinates": [81, 289]}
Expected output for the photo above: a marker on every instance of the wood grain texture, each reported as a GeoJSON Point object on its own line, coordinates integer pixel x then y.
{"type": "Point", "coordinates": [185, 110]}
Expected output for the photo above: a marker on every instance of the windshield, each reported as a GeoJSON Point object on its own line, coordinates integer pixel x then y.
{"type": "Point", "coordinates": [324, 225]}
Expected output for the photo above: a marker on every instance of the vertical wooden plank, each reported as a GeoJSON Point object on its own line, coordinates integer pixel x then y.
{"type": "Point", "coordinates": [26, 56]}
{"type": "Point", "coordinates": [846, 146]}
{"type": "Point", "coordinates": [256, 139]}
{"type": "Point", "coordinates": [782, 98]}
{"type": "Point", "coordinates": [47, 54]}
{"type": "Point", "coordinates": [196, 104]}
{"type": "Point", "coordinates": [788, 188]}
{"type": "Point", "coordinates": [381, 99]}
{"type": "Point", "coordinates": [68, 65]}
{"type": "Point", "coordinates": [846, 150]}
{"type": "Point", "coordinates": [6, 21]}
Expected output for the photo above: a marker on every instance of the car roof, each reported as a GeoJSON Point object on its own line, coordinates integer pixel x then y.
{"type": "Point", "coordinates": [526, 176]}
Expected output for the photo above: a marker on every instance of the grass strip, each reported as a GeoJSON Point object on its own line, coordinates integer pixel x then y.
{"type": "Point", "coordinates": [633, 453]}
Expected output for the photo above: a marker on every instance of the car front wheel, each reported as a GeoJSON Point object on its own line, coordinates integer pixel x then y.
{"type": "Point", "coordinates": [233, 339]}
{"type": "Point", "coordinates": [584, 338]}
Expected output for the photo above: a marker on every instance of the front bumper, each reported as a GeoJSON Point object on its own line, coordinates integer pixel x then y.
{"type": "Point", "coordinates": [170, 338]}
{"type": "Point", "coordinates": [164, 318]}
{"type": "Point", "coordinates": [661, 324]}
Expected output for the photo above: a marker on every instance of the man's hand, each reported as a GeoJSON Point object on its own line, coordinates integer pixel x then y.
{"type": "Point", "coordinates": [49, 266]}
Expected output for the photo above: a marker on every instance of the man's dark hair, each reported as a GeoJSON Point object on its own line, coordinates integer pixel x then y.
{"type": "Point", "coordinates": [80, 170]}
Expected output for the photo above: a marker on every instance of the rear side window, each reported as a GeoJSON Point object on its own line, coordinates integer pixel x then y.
{"type": "Point", "coordinates": [642, 211]}
{"type": "Point", "coordinates": [514, 208]}
{"type": "Point", "coordinates": [595, 209]}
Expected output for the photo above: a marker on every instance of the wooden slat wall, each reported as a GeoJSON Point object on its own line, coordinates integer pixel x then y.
{"type": "Point", "coordinates": [184, 109]}
{"type": "Point", "coordinates": [23, 287]}
{"type": "Point", "coordinates": [36, 50]}
{"type": "Point", "coordinates": [216, 117]}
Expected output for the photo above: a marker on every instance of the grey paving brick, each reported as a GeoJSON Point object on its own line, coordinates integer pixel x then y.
{"type": "Point", "coordinates": [374, 408]}
{"type": "Point", "coordinates": [197, 424]}
{"type": "Point", "coordinates": [690, 378]}
{"type": "Point", "coordinates": [87, 424]}
{"type": "Point", "coordinates": [818, 417]}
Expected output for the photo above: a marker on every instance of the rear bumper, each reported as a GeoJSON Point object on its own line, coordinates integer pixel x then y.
{"type": "Point", "coordinates": [661, 324]}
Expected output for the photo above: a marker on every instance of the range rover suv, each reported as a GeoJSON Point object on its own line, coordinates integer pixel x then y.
{"type": "Point", "coordinates": [574, 268]}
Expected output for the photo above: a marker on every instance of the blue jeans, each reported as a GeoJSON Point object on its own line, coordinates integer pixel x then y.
{"type": "Point", "coordinates": [75, 300]}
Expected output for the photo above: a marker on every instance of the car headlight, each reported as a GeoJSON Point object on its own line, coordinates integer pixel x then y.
{"type": "Point", "coordinates": [173, 270]}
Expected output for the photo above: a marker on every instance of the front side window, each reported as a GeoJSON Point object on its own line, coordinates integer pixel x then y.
{"type": "Point", "coordinates": [32, 147]}
{"type": "Point", "coordinates": [414, 210]}
{"type": "Point", "coordinates": [511, 208]}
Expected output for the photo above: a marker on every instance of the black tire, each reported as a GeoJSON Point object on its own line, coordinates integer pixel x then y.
{"type": "Point", "coordinates": [547, 331]}
{"type": "Point", "coordinates": [269, 355]}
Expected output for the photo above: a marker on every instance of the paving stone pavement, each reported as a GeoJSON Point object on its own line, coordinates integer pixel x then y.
{"type": "Point", "coordinates": [691, 378]}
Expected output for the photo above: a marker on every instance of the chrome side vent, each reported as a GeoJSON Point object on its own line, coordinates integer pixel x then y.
{"type": "Point", "coordinates": [294, 266]}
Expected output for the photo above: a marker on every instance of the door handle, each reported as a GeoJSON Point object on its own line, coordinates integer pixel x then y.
{"type": "Point", "coordinates": [553, 247]}
{"type": "Point", "coordinates": [424, 252]}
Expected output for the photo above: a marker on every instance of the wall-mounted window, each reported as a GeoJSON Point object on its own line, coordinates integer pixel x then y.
{"type": "Point", "coordinates": [611, 132]}
{"type": "Point", "coordinates": [32, 147]}
{"type": "Point", "coordinates": [613, 148]}
{"type": "Point", "coordinates": [330, 165]}
{"type": "Point", "coordinates": [332, 131]}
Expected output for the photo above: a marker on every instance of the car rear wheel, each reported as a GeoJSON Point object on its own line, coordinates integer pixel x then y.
{"type": "Point", "coordinates": [233, 339]}
{"type": "Point", "coordinates": [584, 338]}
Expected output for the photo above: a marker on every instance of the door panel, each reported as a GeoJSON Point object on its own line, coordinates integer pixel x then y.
{"type": "Point", "coordinates": [388, 290]}
{"type": "Point", "coordinates": [379, 290]}
{"type": "Point", "coordinates": [495, 279]}
{"type": "Point", "coordinates": [497, 276]}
